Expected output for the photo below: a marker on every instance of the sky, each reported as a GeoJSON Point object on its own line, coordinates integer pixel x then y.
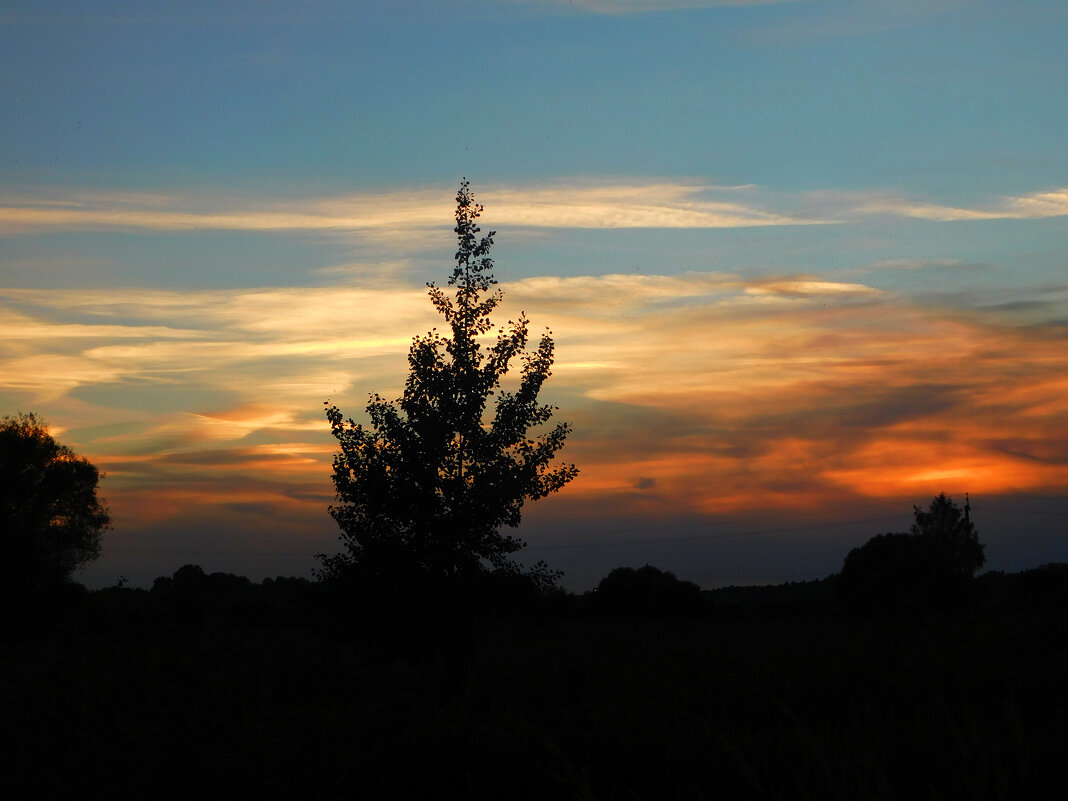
{"type": "Point", "coordinates": [804, 262]}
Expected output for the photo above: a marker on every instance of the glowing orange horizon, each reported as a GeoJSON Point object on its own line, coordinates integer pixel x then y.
{"type": "Point", "coordinates": [689, 395]}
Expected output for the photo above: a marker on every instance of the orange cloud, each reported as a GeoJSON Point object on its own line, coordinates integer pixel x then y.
{"type": "Point", "coordinates": [693, 394]}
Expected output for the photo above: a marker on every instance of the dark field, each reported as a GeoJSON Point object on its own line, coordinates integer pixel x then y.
{"type": "Point", "coordinates": [809, 702]}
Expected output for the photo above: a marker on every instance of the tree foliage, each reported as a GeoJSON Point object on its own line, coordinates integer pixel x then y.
{"type": "Point", "coordinates": [928, 566]}
{"type": "Point", "coordinates": [51, 519]}
{"type": "Point", "coordinates": [646, 592]}
{"type": "Point", "coordinates": [427, 487]}
{"type": "Point", "coordinates": [951, 534]}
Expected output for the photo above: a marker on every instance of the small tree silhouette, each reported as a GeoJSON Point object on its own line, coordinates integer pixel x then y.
{"type": "Point", "coordinates": [646, 592]}
{"type": "Point", "coordinates": [951, 534]}
{"type": "Point", "coordinates": [50, 516]}
{"type": "Point", "coordinates": [426, 489]}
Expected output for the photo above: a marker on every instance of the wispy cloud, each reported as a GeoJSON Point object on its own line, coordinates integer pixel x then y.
{"type": "Point", "coordinates": [222, 337]}
{"type": "Point", "coordinates": [1034, 205]}
{"type": "Point", "coordinates": [1041, 204]}
{"type": "Point", "coordinates": [662, 205]}
{"type": "Point", "coordinates": [562, 205]}
{"type": "Point", "coordinates": [416, 215]}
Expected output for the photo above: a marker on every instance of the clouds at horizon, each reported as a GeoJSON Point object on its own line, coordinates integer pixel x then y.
{"type": "Point", "coordinates": [692, 394]}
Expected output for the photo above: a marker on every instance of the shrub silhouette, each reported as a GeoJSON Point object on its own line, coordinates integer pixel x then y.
{"type": "Point", "coordinates": [193, 598]}
{"type": "Point", "coordinates": [888, 572]}
{"type": "Point", "coordinates": [646, 592]}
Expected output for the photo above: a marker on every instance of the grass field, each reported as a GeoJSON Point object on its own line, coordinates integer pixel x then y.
{"type": "Point", "coordinates": [820, 706]}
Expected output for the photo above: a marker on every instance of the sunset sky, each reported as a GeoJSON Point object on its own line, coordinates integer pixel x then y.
{"type": "Point", "coordinates": [805, 263]}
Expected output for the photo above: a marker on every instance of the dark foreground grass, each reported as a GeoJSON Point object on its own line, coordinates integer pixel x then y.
{"type": "Point", "coordinates": [818, 707]}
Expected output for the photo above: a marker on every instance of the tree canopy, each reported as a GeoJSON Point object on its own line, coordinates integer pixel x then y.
{"type": "Point", "coordinates": [927, 566]}
{"type": "Point", "coordinates": [51, 518]}
{"type": "Point", "coordinates": [951, 534]}
{"type": "Point", "coordinates": [644, 592]}
{"type": "Point", "coordinates": [429, 484]}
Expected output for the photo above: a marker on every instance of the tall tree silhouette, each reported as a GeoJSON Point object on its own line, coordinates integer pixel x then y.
{"type": "Point", "coordinates": [428, 486]}
{"type": "Point", "coordinates": [51, 519]}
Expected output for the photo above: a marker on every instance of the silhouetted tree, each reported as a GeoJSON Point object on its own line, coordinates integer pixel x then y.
{"type": "Point", "coordinates": [51, 519]}
{"type": "Point", "coordinates": [951, 534]}
{"type": "Point", "coordinates": [646, 592]}
{"type": "Point", "coordinates": [889, 572]}
{"type": "Point", "coordinates": [426, 488]}
{"type": "Point", "coordinates": [929, 566]}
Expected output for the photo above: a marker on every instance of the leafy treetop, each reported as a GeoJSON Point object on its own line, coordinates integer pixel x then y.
{"type": "Point", "coordinates": [428, 485]}
{"type": "Point", "coordinates": [951, 533]}
{"type": "Point", "coordinates": [51, 519]}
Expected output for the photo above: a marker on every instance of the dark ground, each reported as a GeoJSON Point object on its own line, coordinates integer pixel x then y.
{"type": "Point", "coordinates": [785, 699]}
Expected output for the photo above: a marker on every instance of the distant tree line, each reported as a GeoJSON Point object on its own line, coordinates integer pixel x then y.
{"type": "Point", "coordinates": [53, 523]}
